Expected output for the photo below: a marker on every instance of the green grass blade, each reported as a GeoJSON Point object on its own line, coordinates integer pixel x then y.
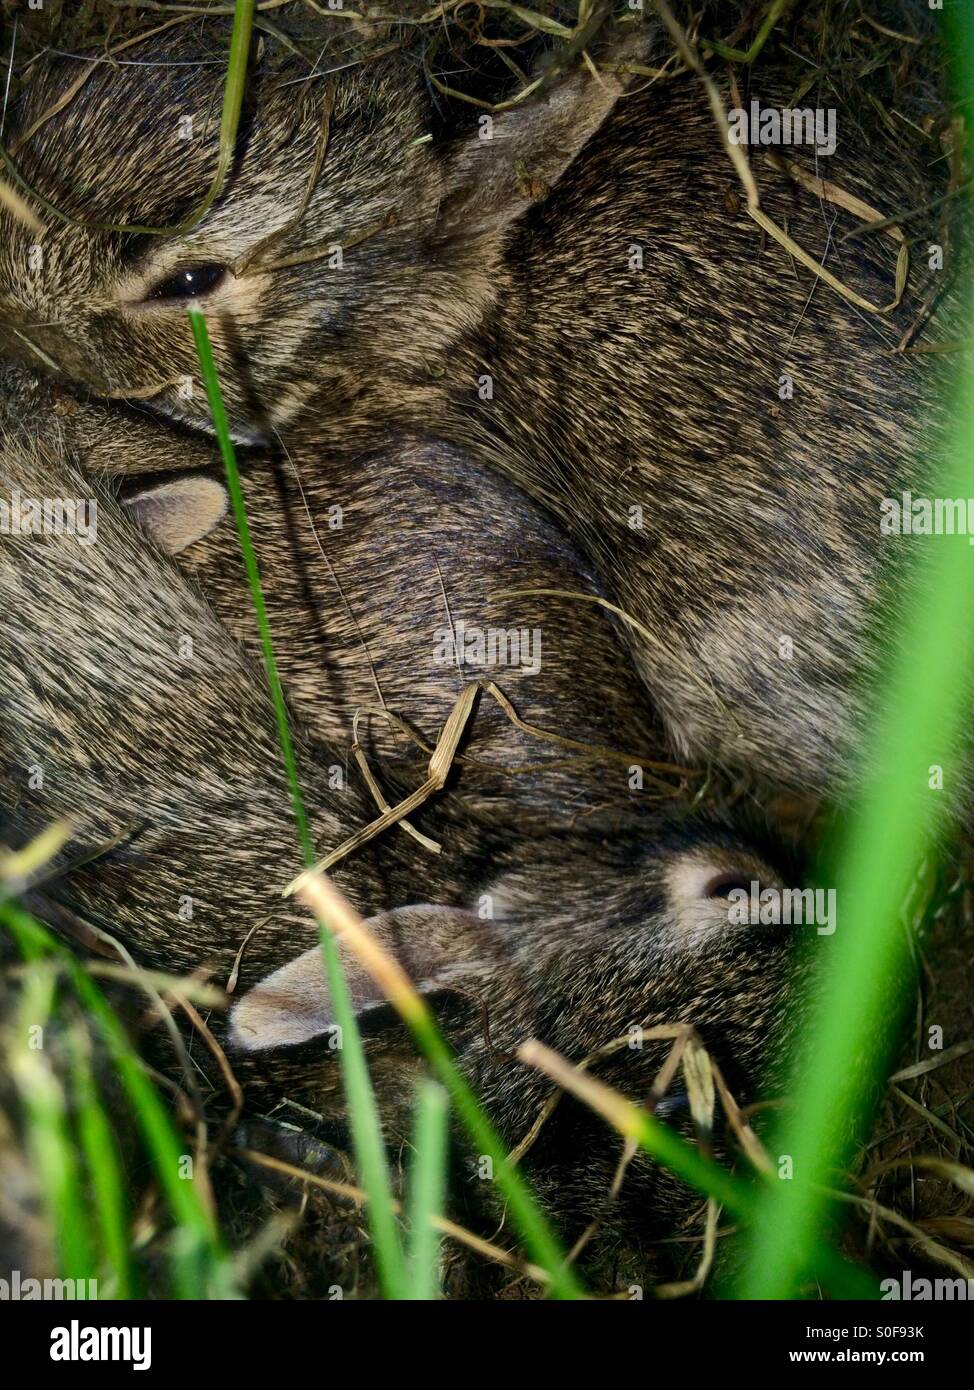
{"type": "Point", "coordinates": [426, 1189]}
{"type": "Point", "coordinates": [233, 96]}
{"type": "Point", "coordinates": [199, 1263]}
{"type": "Point", "coordinates": [854, 1025]}
{"type": "Point", "coordinates": [105, 1175]}
{"type": "Point", "coordinates": [363, 1115]}
{"type": "Point", "coordinates": [48, 1134]}
{"type": "Point", "coordinates": [747, 56]}
{"type": "Point", "coordinates": [214, 395]}
{"type": "Point", "coordinates": [367, 1139]}
{"type": "Point", "coordinates": [927, 706]}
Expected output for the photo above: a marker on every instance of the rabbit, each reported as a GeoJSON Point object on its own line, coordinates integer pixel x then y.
{"type": "Point", "coordinates": [157, 723]}
{"type": "Point", "coordinates": [129, 710]}
{"type": "Point", "coordinates": [391, 587]}
{"type": "Point", "coordinates": [592, 944]}
{"type": "Point", "coordinates": [570, 288]}
{"type": "Point", "coordinates": [396, 582]}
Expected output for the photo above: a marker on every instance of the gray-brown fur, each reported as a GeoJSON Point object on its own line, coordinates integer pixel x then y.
{"type": "Point", "coordinates": [587, 414]}
{"type": "Point", "coordinates": [373, 574]}
{"type": "Point", "coordinates": [613, 388]}
{"type": "Point", "coordinates": [131, 736]}
{"type": "Point", "coordinates": [636, 934]}
{"type": "Point", "coordinates": [365, 614]}
{"type": "Point", "coordinates": [585, 932]}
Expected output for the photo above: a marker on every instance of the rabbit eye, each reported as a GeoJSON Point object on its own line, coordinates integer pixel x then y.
{"type": "Point", "coordinates": [722, 885]}
{"type": "Point", "coordinates": [189, 283]}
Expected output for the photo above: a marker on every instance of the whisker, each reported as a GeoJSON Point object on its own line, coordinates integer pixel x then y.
{"type": "Point", "coordinates": [10, 73]}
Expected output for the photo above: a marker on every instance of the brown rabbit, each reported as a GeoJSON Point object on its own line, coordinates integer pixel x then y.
{"type": "Point", "coordinates": [391, 587]}
{"type": "Point", "coordinates": [163, 754]}
{"type": "Point", "coordinates": [592, 944]}
{"type": "Point", "coordinates": [581, 294]}
{"type": "Point", "coordinates": [395, 582]}
{"type": "Point", "coordinates": [129, 709]}
{"type": "Point", "coordinates": [111, 762]}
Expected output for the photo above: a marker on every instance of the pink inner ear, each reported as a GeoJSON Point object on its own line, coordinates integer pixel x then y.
{"type": "Point", "coordinates": [290, 1006]}
{"type": "Point", "coordinates": [436, 946]}
{"type": "Point", "coordinates": [180, 512]}
{"type": "Point", "coordinates": [294, 1004]}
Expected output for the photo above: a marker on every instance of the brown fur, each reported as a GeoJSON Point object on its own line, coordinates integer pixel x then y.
{"type": "Point", "coordinates": [367, 571]}
{"type": "Point", "coordinates": [630, 937]}
{"type": "Point", "coordinates": [613, 388]}
{"type": "Point", "coordinates": [584, 931]}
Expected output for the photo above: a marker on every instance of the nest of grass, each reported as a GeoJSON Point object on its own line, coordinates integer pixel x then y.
{"type": "Point", "coordinates": [487, 52]}
{"type": "Point", "coordinates": [912, 1197]}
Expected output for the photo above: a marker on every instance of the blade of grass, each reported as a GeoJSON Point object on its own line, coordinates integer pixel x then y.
{"type": "Point", "coordinates": [747, 56]}
{"type": "Point", "coordinates": [897, 818]}
{"type": "Point", "coordinates": [49, 1139]}
{"type": "Point", "coordinates": [101, 1158]}
{"type": "Point", "coordinates": [426, 1190]}
{"type": "Point", "coordinates": [199, 1263]}
{"type": "Point", "coordinates": [362, 1112]}
{"type": "Point", "coordinates": [854, 1025]}
{"type": "Point", "coordinates": [234, 89]}
{"type": "Point", "coordinates": [214, 396]}
{"type": "Point", "coordinates": [331, 907]}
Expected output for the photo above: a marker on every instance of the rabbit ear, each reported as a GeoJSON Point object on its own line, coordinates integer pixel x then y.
{"type": "Point", "coordinates": [516, 156]}
{"type": "Point", "coordinates": [442, 949]}
{"type": "Point", "coordinates": [180, 512]}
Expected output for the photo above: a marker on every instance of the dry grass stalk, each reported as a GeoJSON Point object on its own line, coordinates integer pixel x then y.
{"type": "Point", "coordinates": [357, 1195]}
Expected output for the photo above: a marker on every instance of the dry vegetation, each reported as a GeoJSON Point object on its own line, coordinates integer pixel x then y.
{"type": "Point", "coordinates": [914, 1193]}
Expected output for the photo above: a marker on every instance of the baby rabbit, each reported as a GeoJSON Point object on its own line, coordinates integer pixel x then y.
{"type": "Point", "coordinates": [572, 285]}
{"type": "Point", "coordinates": [393, 584]}
{"type": "Point", "coordinates": [127, 708]}
{"type": "Point", "coordinates": [399, 579]}
{"type": "Point", "coordinates": [157, 726]}
{"type": "Point", "coordinates": [594, 942]}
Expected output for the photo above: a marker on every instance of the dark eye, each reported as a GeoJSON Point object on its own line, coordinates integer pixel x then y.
{"type": "Point", "coordinates": [189, 283]}
{"type": "Point", "coordinates": [724, 884]}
